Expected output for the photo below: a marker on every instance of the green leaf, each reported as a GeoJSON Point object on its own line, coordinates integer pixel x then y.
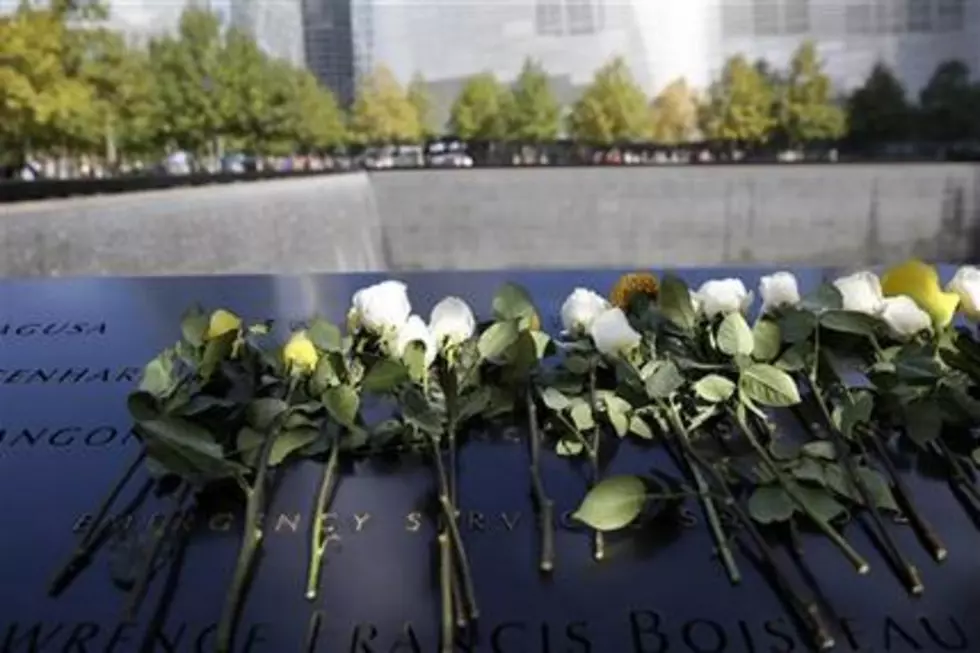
{"type": "Point", "coordinates": [474, 402]}
{"type": "Point", "coordinates": [768, 386]}
{"type": "Point", "coordinates": [923, 422]}
{"type": "Point", "coordinates": [824, 298]}
{"type": "Point", "coordinates": [497, 339]}
{"type": "Point", "coordinates": [325, 375]}
{"type": "Point", "coordinates": [325, 335]}
{"type": "Point", "coordinates": [414, 360]}
{"type": "Point", "coordinates": [385, 375]}
{"type": "Point", "coordinates": [158, 377]}
{"type": "Point", "coordinates": [714, 388]}
{"type": "Point", "coordinates": [215, 351]}
{"type": "Point", "coordinates": [770, 504]}
{"type": "Point", "coordinates": [290, 441]}
{"type": "Point", "coordinates": [665, 380]}
{"type": "Point", "coordinates": [576, 364]}
{"type": "Point", "coordinates": [640, 428]}
{"type": "Point", "coordinates": [809, 469]}
{"type": "Point", "coordinates": [142, 406]}
{"type": "Point", "coordinates": [342, 402]}
{"type": "Point", "coordinates": [784, 448]}
{"type": "Point", "coordinates": [512, 302]}
{"type": "Point", "coordinates": [581, 414]}
{"type": "Point", "coordinates": [541, 342]}
{"type": "Point", "coordinates": [878, 487]}
{"type": "Point", "coordinates": [792, 360]}
{"type": "Point", "coordinates": [186, 449]}
{"type": "Point", "coordinates": [820, 502]}
{"type": "Point", "coordinates": [261, 413]}
{"type": "Point", "coordinates": [194, 326]}
{"type": "Point", "coordinates": [849, 322]}
{"type": "Point", "coordinates": [917, 369]}
{"type": "Point", "coordinates": [612, 504]}
{"type": "Point", "coordinates": [568, 447]}
{"type": "Point", "coordinates": [767, 341]}
{"type": "Point", "coordinates": [855, 413]}
{"type": "Point", "coordinates": [734, 335]}
{"type": "Point", "coordinates": [619, 416]}
{"type": "Point", "coordinates": [554, 399]}
{"type": "Point", "coordinates": [417, 411]}
{"type": "Point", "coordinates": [822, 449]}
{"type": "Point", "coordinates": [522, 357]}
{"type": "Point", "coordinates": [675, 302]}
{"type": "Point", "coordinates": [975, 457]}
{"type": "Point", "coordinates": [796, 326]}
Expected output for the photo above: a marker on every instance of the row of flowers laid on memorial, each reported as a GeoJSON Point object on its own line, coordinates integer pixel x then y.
{"type": "Point", "coordinates": [862, 364]}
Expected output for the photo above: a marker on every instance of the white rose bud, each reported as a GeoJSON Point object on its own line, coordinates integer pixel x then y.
{"type": "Point", "coordinates": [966, 284]}
{"type": "Point", "coordinates": [451, 322]}
{"type": "Point", "coordinates": [415, 330]}
{"type": "Point", "coordinates": [381, 307]}
{"type": "Point", "coordinates": [581, 309]}
{"type": "Point", "coordinates": [861, 292]}
{"type": "Point", "coordinates": [779, 290]}
{"type": "Point", "coordinates": [904, 317]}
{"type": "Point", "coordinates": [612, 334]}
{"type": "Point", "coordinates": [723, 296]}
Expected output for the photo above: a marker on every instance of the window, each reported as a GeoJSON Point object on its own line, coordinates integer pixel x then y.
{"type": "Point", "coordinates": [547, 18]}
{"type": "Point", "coordinates": [891, 17]}
{"type": "Point", "coordinates": [859, 18]}
{"type": "Point", "coordinates": [796, 16]}
{"type": "Point", "coordinates": [580, 16]}
{"type": "Point", "coordinates": [950, 15]}
{"type": "Point", "coordinates": [920, 15]}
{"type": "Point", "coordinates": [765, 18]}
{"type": "Point", "coordinates": [736, 19]}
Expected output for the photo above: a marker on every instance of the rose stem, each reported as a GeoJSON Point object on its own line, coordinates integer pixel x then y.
{"type": "Point", "coordinates": [806, 609]}
{"type": "Point", "coordinates": [959, 475]}
{"type": "Point", "coordinates": [599, 545]}
{"type": "Point", "coordinates": [447, 379]}
{"type": "Point", "coordinates": [318, 539]}
{"type": "Point", "coordinates": [143, 580]}
{"type": "Point", "coordinates": [908, 571]}
{"type": "Point", "coordinates": [83, 551]}
{"type": "Point", "coordinates": [251, 540]}
{"type": "Point", "coordinates": [452, 531]}
{"type": "Point", "coordinates": [710, 510]}
{"type": "Point", "coordinates": [546, 506]}
{"type": "Point", "coordinates": [849, 552]}
{"type": "Point", "coordinates": [446, 591]}
{"type": "Point", "coordinates": [930, 540]}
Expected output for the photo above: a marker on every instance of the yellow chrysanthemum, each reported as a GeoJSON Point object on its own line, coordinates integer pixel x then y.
{"type": "Point", "coordinates": [300, 354]}
{"type": "Point", "coordinates": [920, 282]}
{"type": "Point", "coordinates": [630, 285]}
{"type": "Point", "coordinates": [222, 322]}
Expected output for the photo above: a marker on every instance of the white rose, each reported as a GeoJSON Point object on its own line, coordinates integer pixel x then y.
{"type": "Point", "coordinates": [612, 334]}
{"type": "Point", "coordinates": [381, 307]}
{"type": "Point", "coordinates": [861, 292]}
{"type": "Point", "coordinates": [415, 330]}
{"type": "Point", "coordinates": [778, 290]}
{"type": "Point", "coordinates": [904, 317]}
{"type": "Point", "coordinates": [452, 322]}
{"type": "Point", "coordinates": [723, 296]}
{"type": "Point", "coordinates": [966, 284]}
{"type": "Point", "coordinates": [581, 309]}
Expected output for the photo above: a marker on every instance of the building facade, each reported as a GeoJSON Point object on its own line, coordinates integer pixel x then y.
{"type": "Point", "coordinates": [276, 25]}
{"type": "Point", "coordinates": [328, 40]}
{"type": "Point", "coordinates": [446, 41]}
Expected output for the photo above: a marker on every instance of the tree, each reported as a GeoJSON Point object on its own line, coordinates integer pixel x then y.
{"type": "Point", "coordinates": [316, 118]}
{"type": "Point", "coordinates": [807, 111]}
{"type": "Point", "coordinates": [612, 109]}
{"type": "Point", "coordinates": [950, 104]}
{"type": "Point", "coordinates": [879, 111]}
{"type": "Point", "coordinates": [480, 110]}
{"type": "Point", "coordinates": [382, 112]}
{"type": "Point", "coordinates": [418, 97]}
{"type": "Point", "coordinates": [674, 114]}
{"type": "Point", "coordinates": [534, 114]}
{"type": "Point", "coordinates": [739, 105]}
{"type": "Point", "coordinates": [246, 86]}
{"type": "Point", "coordinates": [41, 106]}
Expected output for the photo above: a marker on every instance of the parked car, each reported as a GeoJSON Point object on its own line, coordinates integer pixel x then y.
{"type": "Point", "coordinates": [449, 155]}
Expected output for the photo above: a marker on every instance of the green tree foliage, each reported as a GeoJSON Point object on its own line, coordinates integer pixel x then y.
{"type": "Point", "coordinates": [534, 114]}
{"type": "Point", "coordinates": [950, 104]}
{"type": "Point", "coordinates": [674, 114]}
{"type": "Point", "coordinates": [879, 111]}
{"type": "Point", "coordinates": [317, 119]}
{"type": "Point", "coordinates": [382, 112]}
{"type": "Point", "coordinates": [612, 109]}
{"type": "Point", "coordinates": [739, 105]}
{"type": "Point", "coordinates": [806, 106]}
{"type": "Point", "coordinates": [418, 97]}
{"type": "Point", "coordinates": [481, 109]}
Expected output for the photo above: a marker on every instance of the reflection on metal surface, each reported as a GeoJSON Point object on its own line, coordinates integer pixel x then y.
{"type": "Point", "coordinates": [659, 590]}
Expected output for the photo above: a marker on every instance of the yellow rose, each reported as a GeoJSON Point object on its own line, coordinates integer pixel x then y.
{"type": "Point", "coordinates": [920, 282]}
{"type": "Point", "coordinates": [299, 353]}
{"type": "Point", "coordinates": [222, 322]}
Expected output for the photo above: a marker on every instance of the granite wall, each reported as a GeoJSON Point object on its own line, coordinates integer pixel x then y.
{"type": "Point", "coordinates": [496, 218]}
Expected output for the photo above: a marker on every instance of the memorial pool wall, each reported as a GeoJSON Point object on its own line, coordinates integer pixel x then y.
{"type": "Point", "coordinates": [841, 215]}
